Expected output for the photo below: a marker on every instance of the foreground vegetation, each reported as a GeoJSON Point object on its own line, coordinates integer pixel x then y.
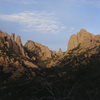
{"type": "Point", "coordinates": [65, 82]}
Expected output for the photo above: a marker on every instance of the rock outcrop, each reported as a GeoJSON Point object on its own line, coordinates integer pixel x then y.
{"type": "Point", "coordinates": [13, 57]}
{"type": "Point", "coordinates": [75, 76]}
{"type": "Point", "coordinates": [32, 51]}
{"type": "Point", "coordinates": [37, 50]}
{"type": "Point", "coordinates": [19, 43]}
{"type": "Point", "coordinates": [11, 48]}
{"type": "Point", "coordinates": [10, 43]}
{"type": "Point", "coordinates": [83, 39]}
{"type": "Point", "coordinates": [41, 52]}
{"type": "Point", "coordinates": [13, 36]}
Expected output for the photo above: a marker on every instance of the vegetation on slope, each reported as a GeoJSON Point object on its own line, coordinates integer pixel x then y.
{"type": "Point", "coordinates": [66, 82]}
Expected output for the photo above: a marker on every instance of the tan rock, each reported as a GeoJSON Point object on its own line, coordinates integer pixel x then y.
{"type": "Point", "coordinates": [30, 64]}
{"type": "Point", "coordinates": [9, 42]}
{"type": "Point", "coordinates": [73, 42]}
{"type": "Point", "coordinates": [40, 51]}
{"type": "Point", "coordinates": [83, 39]}
{"type": "Point", "coordinates": [4, 61]}
{"type": "Point", "coordinates": [19, 42]}
{"type": "Point", "coordinates": [13, 36]}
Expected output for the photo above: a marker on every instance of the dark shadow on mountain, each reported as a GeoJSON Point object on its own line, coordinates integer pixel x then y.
{"type": "Point", "coordinates": [71, 80]}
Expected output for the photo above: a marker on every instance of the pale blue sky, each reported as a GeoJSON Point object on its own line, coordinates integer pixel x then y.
{"type": "Point", "coordinates": [49, 22]}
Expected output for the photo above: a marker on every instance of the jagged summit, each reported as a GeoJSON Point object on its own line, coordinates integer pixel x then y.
{"type": "Point", "coordinates": [84, 39]}
{"type": "Point", "coordinates": [47, 75]}
{"type": "Point", "coordinates": [38, 50]}
{"type": "Point", "coordinates": [10, 42]}
{"type": "Point", "coordinates": [13, 36]}
{"type": "Point", "coordinates": [13, 54]}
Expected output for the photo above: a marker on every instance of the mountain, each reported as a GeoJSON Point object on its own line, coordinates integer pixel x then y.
{"type": "Point", "coordinates": [42, 54]}
{"type": "Point", "coordinates": [40, 51]}
{"type": "Point", "coordinates": [34, 72]}
{"type": "Point", "coordinates": [83, 39]}
{"type": "Point", "coordinates": [10, 42]}
{"type": "Point", "coordinates": [14, 60]}
{"type": "Point", "coordinates": [37, 50]}
{"type": "Point", "coordinates": [17, 60]}
{"type": "Point", "coordinates": [81, 48]}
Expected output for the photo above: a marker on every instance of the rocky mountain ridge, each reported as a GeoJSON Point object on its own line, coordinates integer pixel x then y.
{"type": "Point", "coordinates": [10, 42]}
{"type": "Point", "coordinates": [83, 39]}
{"type": "Point", "coordinates": [21, 58]}
{"type": "Point", "coordinates": [13, 58]}
{"type": "Point", "coordinates": [41, 55]}
{"type": "Point", "coordinates": [33, 72]}
{"type": "Point", "coordinates": [40, 52]}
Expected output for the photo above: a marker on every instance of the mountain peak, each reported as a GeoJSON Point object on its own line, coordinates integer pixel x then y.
{"type": "Point", "coordinates": [13, 36]}
{"type": "Point", "coordinates": [83, 38]}
{"type": "Point", "coordinates": [38, 50]}
{"type": "Point", "coordinates": [83, 30]}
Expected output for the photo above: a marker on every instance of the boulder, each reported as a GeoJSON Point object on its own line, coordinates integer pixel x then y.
{"type": "Point", "coordinates": [38, 50]}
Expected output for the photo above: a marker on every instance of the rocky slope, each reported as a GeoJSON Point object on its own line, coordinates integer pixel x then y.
{"type": "Point", "coordinates": [41, 54]}
{"type": "Point", "coordinates": [74, 76]}
{"type": "Point", "coordinates": [83, 39]}
{"type": "Point", "coordinates": [81, 47]}
{"type": "Point", "coordinates": [16, 59]}
{"type": "Point", "coordinates": [38, 51]}
{"type": "Point", "coordinates": [10, 42]}
{"type": "Point", "coordinates": [13, 58]}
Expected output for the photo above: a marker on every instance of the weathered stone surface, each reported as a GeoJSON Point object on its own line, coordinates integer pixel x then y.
{"type": "Point", "coordinates": [30, 64]}
{"type": "Point", "coordinates": [73, 42]}
{"type": "Point", "coordinates": [9, 41]}
{"type": "Point", "coordinates": [13, 36]}
{"type": "Point", "coordinates": [19, 42]}
{"type": "Point", "coordinates": [13, 57]}
{"type": "Point", "coordinates": [40, 51]}
{"type": "Point", "coordinates": [83, 39]}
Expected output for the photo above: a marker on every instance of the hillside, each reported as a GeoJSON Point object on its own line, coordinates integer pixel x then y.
{"type": "Point", "coordinates": [73, 75]}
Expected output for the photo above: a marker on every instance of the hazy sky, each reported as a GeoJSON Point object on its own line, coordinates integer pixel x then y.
{"type": "Point", "coordinates": [49, 22]}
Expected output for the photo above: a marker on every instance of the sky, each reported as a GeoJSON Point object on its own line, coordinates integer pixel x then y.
{"type": "Point", "coordinates": [49, 22]}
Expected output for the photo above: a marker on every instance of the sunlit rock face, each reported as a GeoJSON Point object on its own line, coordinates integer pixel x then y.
{"type": "Point", "coordinates": [38, 50]}
{"type": "Point", "coordinates": [83, 39]}
{"type": "Point", "coordinates": [11, 49]}
{"type": "Point", "coordinates": [19, 42]}
{"type": "Point", "coordinates": [13, 57]}
{"type": "Point", "coordinates": [10, 42]}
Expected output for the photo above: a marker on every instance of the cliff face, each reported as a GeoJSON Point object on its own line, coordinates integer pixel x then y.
{"type": "Point", "coordinates": [9, 42]}
{"type": "Point", "coordinates": [37, 50]}
{"type": "Point", "coordinates": [32, 51]}
{"type": "Point", "coordinates": [19, 43]}
{"type": "Point", "coordinates": [75, 76]}
{"type": "Point", "coordinates": [13, 57]}
{"type": "Point", "coordinates": [82, 48]}
{"type": "Point", "coordinates": [83, 39]}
